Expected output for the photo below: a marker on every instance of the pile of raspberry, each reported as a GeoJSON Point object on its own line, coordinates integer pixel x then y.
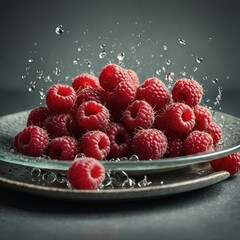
{"type": "Point", "coordinates": [114, 116]}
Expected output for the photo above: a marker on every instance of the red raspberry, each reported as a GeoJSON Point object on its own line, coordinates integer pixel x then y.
{"type": "Point", "coordinates": [188, 91]}
{"type": "Point", "coordinates": [95, 144]}
{"type": "Point", "coordinates": [85, 80]}
{"type": "Point", "coordinates": [37, 116]}
{"type": "Point", "coordinates": [123, 94]}
{"type": "Point", "coordinates": [230, 163]}
{"type": "Point", "coordinates": [86, 173]}
{"type": "Point", "coordinates": [111, 76]}
{"type": "Point", "coordinates": [33, 141]}
{"type": "Point", "coordinates": [149, 144]}
{"type": "Point", "coordinates": [57, 125]}
{"type": "Point", "coordinates": [160, 121]}
{"type": "Point", "coordinates": [120, 140]}
{"type": "Point", "coordinates": [180, 118]}
{"type": "Point", "coordinates": [15, 141]}
{"type": "Point", "coordinates": [134, 77]}
{"type": "Point", "coordinates": [60, 98]}
{"type": "Point", "coordinates": [139, 115]}
{"type": "Point", "coordinates": [63, 148]}
{"type": "Point", "coordinates": [88, 94]}
{"type": "Point", "coordinates": [92, 116]}
{"type": "Point", "coordinates": [203, 118]}
{"type": "Point", "coordinates": [197, 142]}
{"type": "Point", "coordinates": [154, 92]}
{"type": "Point", "coordinates": [175, 146]}
{"type": "Point", "coordinates": [216, 132]}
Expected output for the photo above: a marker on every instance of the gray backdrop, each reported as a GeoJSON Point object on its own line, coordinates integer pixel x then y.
{"type": "Point", "coordinates": [33, 55]}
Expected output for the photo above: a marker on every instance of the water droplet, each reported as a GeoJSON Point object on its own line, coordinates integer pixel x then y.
{"type": "Point", "coordinates": [102, 54]}
{"type": "Point", "coordinates": [183, 74]}
{"type": "Point", "coordinates": [161, 182]}
{"type": "Point", "coordinates": [32, 88]}
{"type": "Point", "coordinates": [227, 77]}
{"type": "Point", "coordinates": [23, 77]}
{"type": "Point", "coordinates": [182, 41]}
{"type": "Point", "coordinates": [205, 78]}
{"type": "Point", "coordinates": [158, 72]}
{"type": "Point", "coordinates": [76, 61]}
{"type": "Point", "coordinates": [41, 93]}
{"type": "Point", "coordinates": [102, 46]}
{"type": "Point", "coordinates": [88, 62]}
{"type": "Point", "coordinates": [134, 158]}
{"type": "Point", "coordinates": [49, 177]}
{"type": "Point", "coordinates": [79, 155]}
{"type": "Point", "coordinates": [129, 183]}
{"type": "Point", "coordinates": [210, 39]}
{"type": "Point", "coordinates": [133, 49]}
{"type": "Point", "coordinates": [165, 47]}
{"type": "Point", "coordinates": [195, 69]}
{"type": "Point", "coordinates": [170, 76]}
{"type": "Point", "coordinates": [208, 100]}
{"type": "Point", "coordinates": [35, 44]}
{"type": "Point", "coordinates": [59, 30]}
{"type": "Point", "coordinates": [35, 172]}
{"type": "Point", "coordinates": [79, 49]}
{"type": "Point", "coordinates": [57, 71]}
{"type": "Point", "coordinates": [168, 61]}
{"type": "Point", "coordinates": [144, 182]}
{"type": "Point", "coordinates": [120, 56]}
{"type": "Point", "coordinates": [215, 80]}
{"type": "Point", "coordinates": [185, 66]}
{"type": "Point", "coordinates": [163, 69]}
{"type": "Point", "coordinates": [152, 56]}
{"type": "Point", "coordinates": [199, 59]}
{"type": "Point", "coordinates": [30, 60]}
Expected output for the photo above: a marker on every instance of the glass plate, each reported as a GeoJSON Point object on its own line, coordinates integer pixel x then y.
{"type": "Point", "coordinates": [11, 124]}
{"type": "Point", "coordinates": [21, 178]}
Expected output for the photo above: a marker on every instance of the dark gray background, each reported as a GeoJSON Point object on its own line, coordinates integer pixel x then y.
{"type": "Point", "coordinates": [210, 29]}
{"type": "Point", "coordinates": [209, 213]}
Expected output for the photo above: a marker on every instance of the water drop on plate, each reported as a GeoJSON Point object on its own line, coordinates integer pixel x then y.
{"type": "Point", "coordinates": [59, 30]}
{"type": "Point", "coordinates": [182, 41]}
{"type": "Point", "coordinates": [215, 80]}
{"type": "Point", "coordinates": [199, 59]}
{"type": "Point", "coordinates": [76, 61]}
{"type": "Point", "coordinates": [168, 61]}
{"type": "Point", "coordinates": [121, 56]}
{"type": "Point", "coordinates": [102, 54]}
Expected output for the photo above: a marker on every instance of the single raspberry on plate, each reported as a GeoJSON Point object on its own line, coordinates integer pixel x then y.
{"type": "Point", "coordinates": [139, 115]}
{"type": "Point", "coordinates": [120, 140]}
{"type": "Point", "coordinates": [60, 98]}
{"type": "Point", "coordinates": [33, 141]}
{"type": "Point", "coordinates": [86, 173]}
{"type": "Point", "coordinates": [123, 94]}
{"type": "Point", "coordinates": [85, 80]}
{"type": "Point", "coordinates": [88, 94]}
{"type": "Point", "coordinates": [180, 118]}
{"type": "Point", "coordinates": [175, 146]}
{"type": "Point", "coordinates": [92, 116]}
{"type": "Point", "coordinates": [216, 132]}
{"type": "Point", "coordinates": [15, 141]}
{"type": "Point", "coordinates": [149, 144]}
{"type": "Point", "coordinates": [95, 144]}
{"type": "Point", "coordinates": [111, 75]}
{"type": "Point", "coordinates": [197, 142]}
{"type": "Point", "coordinates": [230, 163]}
{"type": "Point", "coordinates": [37, 116]}
{"type": "Point", "coordinates": [154, 92]}
{"type": "Point", "coordinates": [63, 148]}
{"type": "Point", "coordinates": [187, 91]}
{"type": "Point", "coordinates": [203, 118]}
{"type": "Point", "coordinates": [134, 77]}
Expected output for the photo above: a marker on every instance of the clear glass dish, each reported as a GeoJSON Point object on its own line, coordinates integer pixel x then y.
{"type": "Point", "coordinates": [11, 124]}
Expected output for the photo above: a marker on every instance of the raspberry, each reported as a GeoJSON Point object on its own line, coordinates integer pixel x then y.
{"type": "Point", "coordinates": [215, 131]}
{"type": "Point", "coordinates": [154, 92]}
{"type": "Point", "coordinates": [134, 77]}
{"type": "Point", "coordinates": [187, 91]}
{"type": "Point", "coordinates": [37, 116]}
{"type": "Point", "coordinates": [95, 144]}
{"type": "Point", "coordinates": [123, 94]}
{"type": "Point", "coordinates": [33, 141]}
{"type": "Point", "coordinates": [139, 115]}
{"type": "Point", "coordinates": [230, 163]}
{"type": "Point", "coordinates": [57, 125]}
{"type": "Point", "coordinates": [203, 118]}
{"type": "Point", "coordinates": [15, 141]}
{"type": "Point", "coordinates": [88, 94]}
{"type": "Point", "coordinates": [111, 76]}
{"type": "Point", "coordinates": [175, 146]}
{"type": "Point", "coordinates": [63, 148]}
{"type": "Point", "coordinates": [86, 173]}
{"type": "Point", "coordinates": [149, 144]}
{"type": "Point", "coordinates": [92, 116]}
{"type": "Point", "coordinates": [160, 121]}
{"type": "Point", "coordinates": [85, 80]}
{"type": "Point", "coordinates": [60, 98]}
{"type": "Point", "coordinates": [197, 142]}
{"type": "Point", "coordinates": [180, 118]}
{"type": "Point", "coordinates": [120, 140]}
